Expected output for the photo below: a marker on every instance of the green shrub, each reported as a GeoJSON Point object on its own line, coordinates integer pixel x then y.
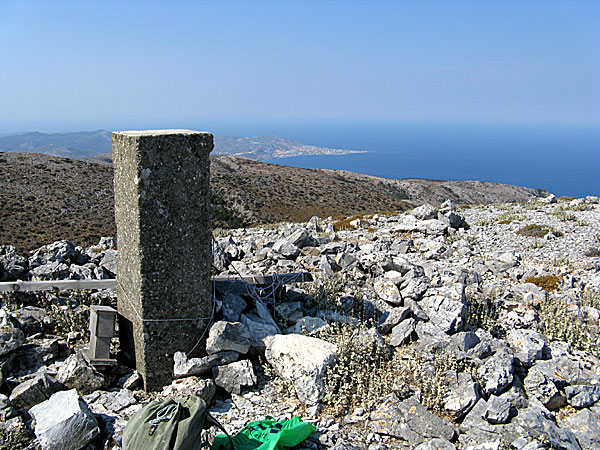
{"type": "Point", "coordinates": [362, 374]}
{"type": "Point", "coordinates": [429, 374]}
{"type": "Point", "coordinates": [483, 313]}
{"type": "Point", "coordinates": [559, 323]}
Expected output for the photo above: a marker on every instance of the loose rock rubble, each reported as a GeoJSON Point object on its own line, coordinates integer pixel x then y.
{"type": "Point", "coordinates": [486, 318]}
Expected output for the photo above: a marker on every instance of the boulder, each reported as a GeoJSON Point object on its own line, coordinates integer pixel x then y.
{"type": "Point", "coordinates": [36, 390]}
{"type": "Point", "coordinates": [109, 261]}
{"type": "Point", "coordinates": [300, 238]}
{"type": "Point", "coordinates": [528, 345]}
{"type": "Point", "coordinates": [498, 410]}
{"type": "Point", "coordinates": [477, 432]}
{"type": "Point", "coordinates": [232, 307]}
{"type": "Point", "coordinates": [462, 395]}
{"type": "Point", "coordinates": [64, 422]}
{"type": "Point", "coordinates": [391, 318]}
{"type": "Point", "coordinates": [60, 252]}
{"type": "Point", "coordinates": [232, 377]}
{"type": "Point", "coordinates": [53, 270]}
{"type": "Point", "coordinates": [185, 367]}
{"type": "Point", "coordinates": [538, 423]}
{"type": "Point", "coordinates": [184, 387]}
{"type": "Point", "coordinates": [409, 420]}
{"type": "Point", "coordinates": [77, 373]}
{"type": "Point", "coordinates": [387, 291]}
{"type": "Point", "coordinates": [309, 325]}
{"type": "Point", "coordinates": [541, 387]}
{"type": "Point", "coordinates": [496, 374]}
{"type": "Point", "coordinates": [424, 212]}
{"type": "Point", "coordinates": [414, 288]}
{"type": "Point", "coordinates": [12, 266]}
{"type": "Point", "coordinates": [447, 308]}
{"type": "Point", "coordinates": [465, 340]}
{"type": "Point", "coordinates": [102, 402]}
{"type": "Point", "coordinates": [303, 361]}
{"type": "Point", "coordinates": [224, 336]}
{"type": "Point", "coordinates": [402, 332]}
{"type": "Point", "coordinates": [286, 249]}
{"type": "Point", "coordinates": [585, 425]}
{"type": "Point", "coordinates": [259, 330]}
{"type": "Point", "coordinates": [436, 444]}
{"type": "Point", "coordinates": [582, 396]}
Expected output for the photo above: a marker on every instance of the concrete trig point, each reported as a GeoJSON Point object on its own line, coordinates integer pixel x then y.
{"type": "Point", "coordinates": [162, 207]}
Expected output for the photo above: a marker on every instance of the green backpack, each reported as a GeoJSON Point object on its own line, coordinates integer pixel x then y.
{"type": "Point", "coordinates": [172, 424]}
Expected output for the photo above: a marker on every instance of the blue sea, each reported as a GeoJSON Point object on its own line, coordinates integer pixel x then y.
{"type": "Point", "coordinates": [564, 160]}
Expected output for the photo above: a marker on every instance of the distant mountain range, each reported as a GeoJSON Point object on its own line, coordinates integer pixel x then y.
{"type": "Point", "coordinates": [98, 144]}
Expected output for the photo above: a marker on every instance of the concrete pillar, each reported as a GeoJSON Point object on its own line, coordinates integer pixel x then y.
{"type": "Point", "coordinates": [162, 207]}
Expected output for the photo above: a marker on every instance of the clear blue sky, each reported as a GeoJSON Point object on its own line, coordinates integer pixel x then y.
{"type": "Point", "coordinates": [76, 65]}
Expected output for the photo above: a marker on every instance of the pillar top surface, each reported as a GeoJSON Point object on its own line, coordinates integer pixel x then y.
{"type": "Point", "coordinates": [158, 132]}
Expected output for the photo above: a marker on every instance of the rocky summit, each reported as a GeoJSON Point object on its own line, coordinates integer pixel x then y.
{"type": "Point", "coordinates": [472, 327]}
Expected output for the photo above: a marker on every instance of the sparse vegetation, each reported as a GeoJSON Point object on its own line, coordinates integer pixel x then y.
{"type": "Point", "coordinates": [345, 223]}
{"type": "Point", "coordinates": [594, 250]}
{"type": "Point", "coordinates": [17, 438]}
{"type": "Point", "coordinates": [483, 313]}
{"type": "Point", "coordinates": [362, 374]}
{"type": "Point", "coordinates": [564, 321]}
{"type": "Point", "coordinates": [509, 217]}
{"type": "Point", "coordinates": [539, 231]}
{"type": "Point", "coordinates": [429, 375]}
{"type": "Point", "coordinates": [549, 283]}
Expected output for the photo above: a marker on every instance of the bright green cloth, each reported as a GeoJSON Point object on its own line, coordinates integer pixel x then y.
{"type": "Point", "coordinates": [267, 434]}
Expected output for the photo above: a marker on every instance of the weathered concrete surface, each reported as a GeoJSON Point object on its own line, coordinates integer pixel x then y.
{"type": "Point", "coordinates": [162, 207]}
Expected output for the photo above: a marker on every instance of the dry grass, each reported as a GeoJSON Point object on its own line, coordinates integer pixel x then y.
{"type": "Point", "coordinates": [539, 231]}
{"type": "Point", "coordinates": [549, 283]}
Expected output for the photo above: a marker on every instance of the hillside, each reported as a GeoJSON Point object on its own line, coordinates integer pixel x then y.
{"type": "Point", "coordinates": [46, 198]}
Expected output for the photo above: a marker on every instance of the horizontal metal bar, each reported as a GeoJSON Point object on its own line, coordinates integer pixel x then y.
{"type": "Point", "coordinates": [283, 278]}
{"type": "Point", "coordinates": [27, 286]}
{"type": "Point", "coordinates": [63, 285]}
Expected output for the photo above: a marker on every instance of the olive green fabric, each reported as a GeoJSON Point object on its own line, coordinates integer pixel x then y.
{"type": "Point", "coordinates": [267, 434]}
{"type": "Point", "coordinates": [166, 425]}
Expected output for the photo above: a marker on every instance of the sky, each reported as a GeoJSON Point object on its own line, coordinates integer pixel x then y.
{"type": "Point", "coordinates": [82, 65]}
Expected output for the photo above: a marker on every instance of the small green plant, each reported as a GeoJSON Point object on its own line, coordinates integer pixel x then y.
{"type": "Point", "coordinates": [362, 374]}
{"type": "Point", "coordinates": [509, 217]}
{"type": "Point", "coordinates": [559, 323]}
{"type": "Point", "coordinates": [564, 216]}
{"type": "Point", "coordinates": [19, 437]}
{"type": "Point", "coordinates": [581, 207]}
{"type": "Point", "coordinates": [482, 223]}
{"type": "Point", "coordinates": [549, 283]}
{"type": "Point", "coordinates": [324, 292]}
{"type": "Point", "coordinates": [429, 375]}
{"type": "Point", "coordinates": [483, 313]}
{"type": "Point", "coordinates": [594, 250]}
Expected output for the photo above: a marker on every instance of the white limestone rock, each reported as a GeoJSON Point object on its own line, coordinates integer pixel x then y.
{"type": "Point", "coordinates": [303, 361]}
{"type": "Point", "coordinates": [64, 422]}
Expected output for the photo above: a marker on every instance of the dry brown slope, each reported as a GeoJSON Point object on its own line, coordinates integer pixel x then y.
{"type": "Point", "coordinates": [44, 198]}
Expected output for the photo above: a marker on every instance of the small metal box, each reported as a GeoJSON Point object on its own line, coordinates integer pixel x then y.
{"type": "Point", "coordinates": [102, 329]}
